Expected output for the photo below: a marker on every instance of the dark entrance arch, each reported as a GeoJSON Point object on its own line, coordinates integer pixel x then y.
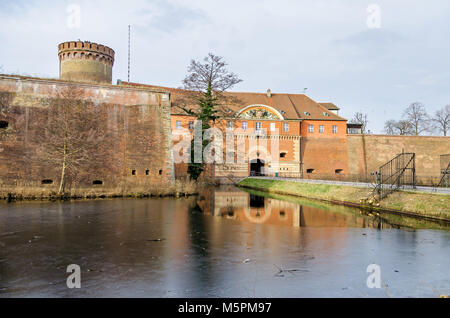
{"type": "Point", "coordinates": [257, 167]}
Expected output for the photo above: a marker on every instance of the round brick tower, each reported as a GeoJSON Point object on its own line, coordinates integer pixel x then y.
{"type": "Point", "coordinates": [85, 62]}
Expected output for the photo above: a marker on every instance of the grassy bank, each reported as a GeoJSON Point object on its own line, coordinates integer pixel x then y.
{"type": "Point", "coordinates": [419, 204]}
{"type": "Point", "coordinates": [31, 193]}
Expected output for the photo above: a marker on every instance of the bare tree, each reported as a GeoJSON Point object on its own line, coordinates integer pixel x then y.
{"type": "Point", "coordinates": [390, 127]}
{"type": "Point", "coordinates": [210, 75]}
{"type": "Point", "coordinates": [401, 127]}
{"type": "Point", "coordinates": [360, 119]}
{"type": "Point", "coordinates": [404, 128]}
{"type": "Point", "coordinates": [441, 120]}
{"type": "Point", "coordinates": [205, 84]}
{"type": "Point", "coordinates": [74, 135]}
{"type": "Point", "coordinates": [417, 116]}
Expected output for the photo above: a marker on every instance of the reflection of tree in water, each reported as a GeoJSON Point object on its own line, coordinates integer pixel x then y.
{"type": "Point", "coordinates": [375, 221]}
{"type": "Point", "coordinates": [200, 245]}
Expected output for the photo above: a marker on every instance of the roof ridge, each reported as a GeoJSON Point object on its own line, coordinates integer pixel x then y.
{"type": "Point", "coordinates": [227, 92]}
{"type": "Point", "coordinates": [295, 108]}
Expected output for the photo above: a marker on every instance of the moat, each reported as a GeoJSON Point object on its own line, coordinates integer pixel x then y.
{"type": "Point", "coordinates": [224, 243]}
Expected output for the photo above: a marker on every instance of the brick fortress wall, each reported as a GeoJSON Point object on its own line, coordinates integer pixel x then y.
{"type": "Point", "coordinates": [138, 122]}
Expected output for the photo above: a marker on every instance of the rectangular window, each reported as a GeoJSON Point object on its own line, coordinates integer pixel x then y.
{"type": "Point", "coordinates": [272, 126]}
{"type": "Point", "coordinates": [244, 125]}
{"type": "Point", "coordinates": [179, 124]}
{"type": "Point", "coordinates": [258, 126]}
{"type": "Point", "coordinates": [335, 129]}
{"type": "Point", "coordinates": [191, 125]}
{"type": "Point", "coordinates": [311, 128]}
{"type": "Point", "coordinates": [321, 129]}
{"type": "Point", "coordinates": [286, 127]}
{"type": "Point", "coordinates": [230, 125]}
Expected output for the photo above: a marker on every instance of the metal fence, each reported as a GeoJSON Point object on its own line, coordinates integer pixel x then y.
{"type": "Point", "coordinates": [370, 179]}
{"type": "Point", "coordinates": [445, 171]}
{"type": "Point", "coordinates": [398, 173]}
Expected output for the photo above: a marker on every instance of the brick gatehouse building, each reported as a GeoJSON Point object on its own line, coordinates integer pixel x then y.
{"type": "Point", "coordinates": [305, 131]}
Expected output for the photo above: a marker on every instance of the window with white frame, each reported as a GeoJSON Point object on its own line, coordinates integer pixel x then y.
{"type": "Point", "coordinates": [272, 126]}
{"type": "Point", "coordinates": [258, 126]}
{"type": "Point", "coordinates": [335, 129]}
{"type": "Point", "coordinates": [311, 128]}
{"type": "Point", "coordinates": [285, 127]}
{"type": "Point", "coordinates": [321, 129]}
{"type": "Point", "coordinates": [191, 125]}
{"type": "Point", "coordinates": [179, 124]}
{"type": "Point", "coordinates": [244, 125]}
{"type": "Point", "coordinates": [230, 125]}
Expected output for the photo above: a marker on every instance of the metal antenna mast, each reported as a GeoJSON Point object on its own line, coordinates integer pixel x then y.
{"type": "Point", "coordinates": [129, 51]}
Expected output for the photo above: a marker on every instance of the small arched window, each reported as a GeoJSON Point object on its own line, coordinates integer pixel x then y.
{"type": "Point", "coordinates": [339, 171]}
{"type": "Point", "coordinates": [283, 155]}
{"type": "Point", "coordinates": [309, 171]}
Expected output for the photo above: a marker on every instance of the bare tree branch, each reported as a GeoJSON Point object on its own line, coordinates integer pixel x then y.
{"type": "Point", "coordinates": [74, 135]}
{"type": "Point", "coordinates": [441, 120]}
{"type": "Point", "coordinates": [417, 117]}
{"type": "Point", "coordinates": [361, 119]}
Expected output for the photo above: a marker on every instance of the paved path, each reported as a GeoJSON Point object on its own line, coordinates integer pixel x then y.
{"type": "Point", "coordinates": [358, 184]}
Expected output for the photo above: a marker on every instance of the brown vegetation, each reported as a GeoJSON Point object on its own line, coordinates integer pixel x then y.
{"type": "Point", "coordinates": [182, 187]}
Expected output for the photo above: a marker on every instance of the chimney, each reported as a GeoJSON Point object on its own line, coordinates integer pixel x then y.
{"type": "Point", "coordinates": [269, 93]}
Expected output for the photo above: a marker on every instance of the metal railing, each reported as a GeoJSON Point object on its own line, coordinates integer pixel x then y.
{"type": "Point", "coordinates": [398, 173]}
{"type": "Point", "coordinates": [445, 172]}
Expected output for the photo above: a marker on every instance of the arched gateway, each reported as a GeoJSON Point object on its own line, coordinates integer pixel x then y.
{"type": "Point", "coordinates": [257, 167]}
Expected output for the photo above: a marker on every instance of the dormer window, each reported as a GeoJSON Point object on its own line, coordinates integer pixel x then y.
{"type": "Point", "coordinates": [326, 114]}
{"type": "Point", "coordinates": [307, 113]}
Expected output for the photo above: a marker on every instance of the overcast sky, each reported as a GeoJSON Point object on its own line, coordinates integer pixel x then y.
{"type": "Point", "coordinates": [375, 59]}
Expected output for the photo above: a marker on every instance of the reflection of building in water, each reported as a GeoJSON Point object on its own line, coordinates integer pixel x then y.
{"type": "Point", "coordinates": [233, 203]}
{"type": "Point", "coordinates": [241, 206]}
